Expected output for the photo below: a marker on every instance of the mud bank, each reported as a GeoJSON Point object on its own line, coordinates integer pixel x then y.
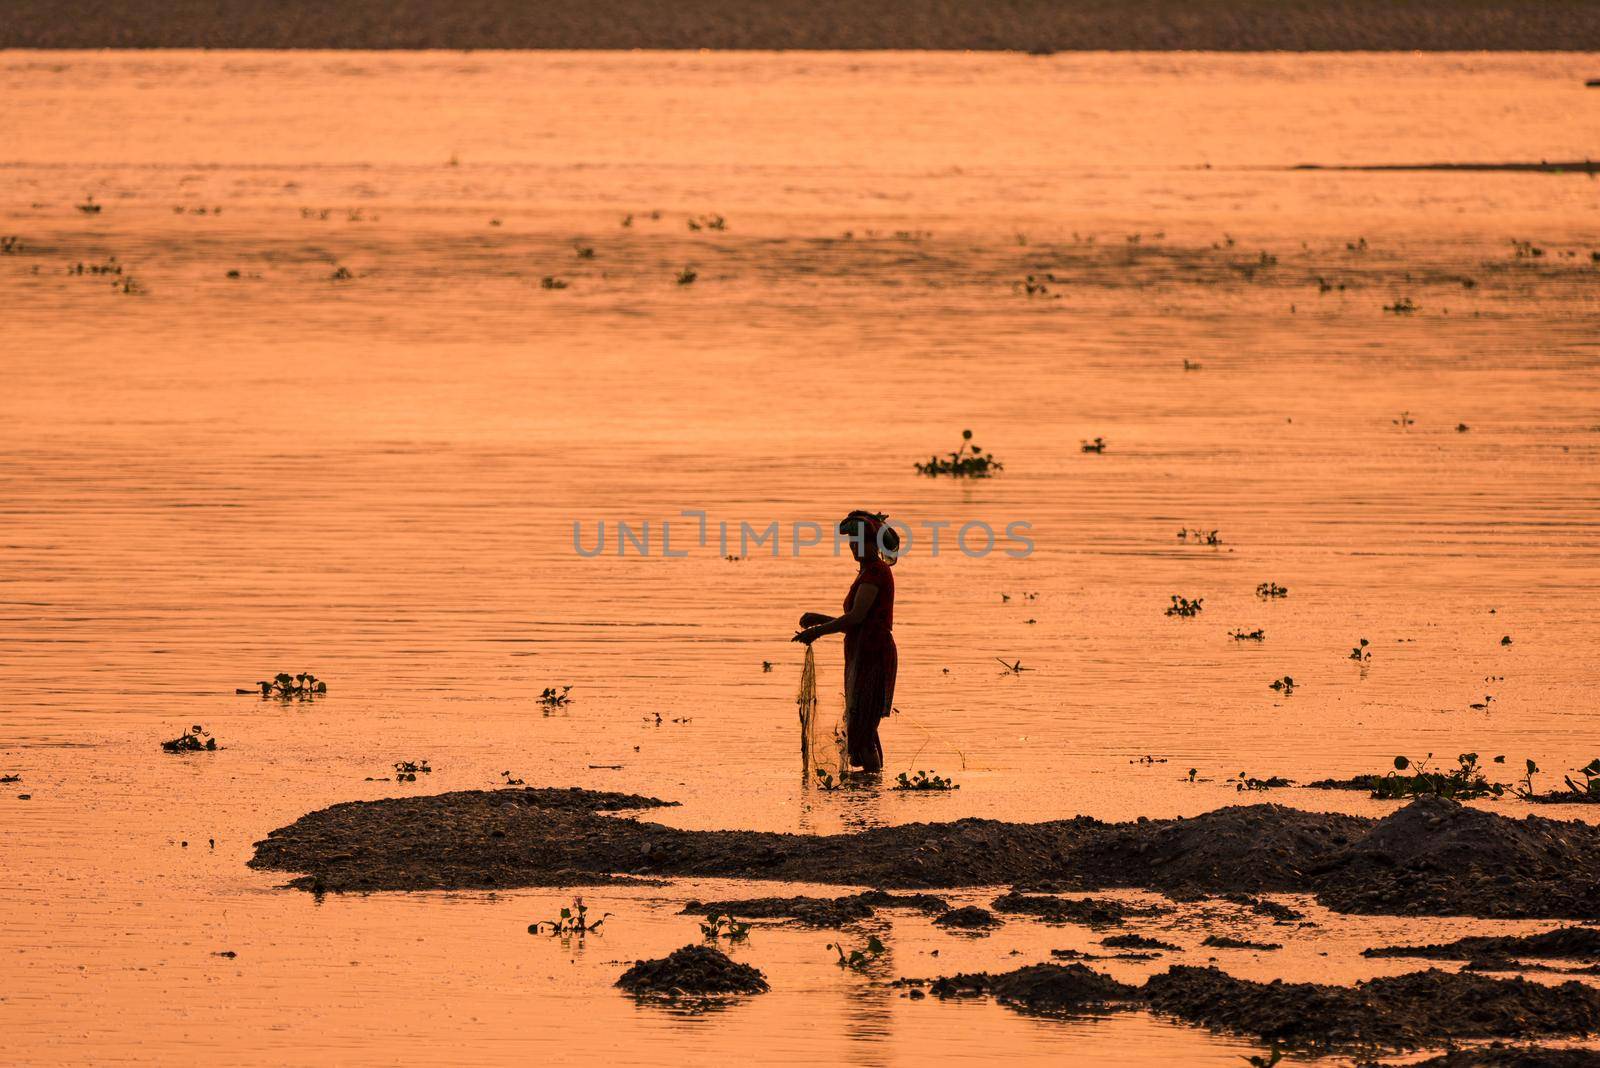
{"type": "Point", "coordinates": [1563, 943]}
{"type": "Point", "coordinates": [818, 911]}
{"type": "Point", "coordinates": [695, 970]}
{"type": "Point", "coordinates": [1432, 857]}
{"type": "Point", "coordinates": [1401, 1012]}
{"type": "Point", "coordinates": [1501, 1056]}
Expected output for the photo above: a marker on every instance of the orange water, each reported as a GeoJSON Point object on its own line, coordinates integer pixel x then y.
{"type": "Point", "coordinates": [375, 479]}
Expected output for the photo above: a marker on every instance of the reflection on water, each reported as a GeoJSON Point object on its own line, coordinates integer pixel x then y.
{"type": "Point", "coordinates": [254, 462]}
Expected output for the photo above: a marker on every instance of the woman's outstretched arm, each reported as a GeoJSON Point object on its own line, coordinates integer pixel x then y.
{"type": "Point", "coordinates": [811, 619]}
{"type": "Point", "coordinates": [860, 605]}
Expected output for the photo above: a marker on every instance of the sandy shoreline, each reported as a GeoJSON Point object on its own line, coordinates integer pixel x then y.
{"type": "Point", "coordinates": [1016, 25]}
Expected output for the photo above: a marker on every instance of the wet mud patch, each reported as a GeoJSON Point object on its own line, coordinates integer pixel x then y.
{"type": "Point", "coordinates": [1563, 943]}
{"type": "Point", "coordinates": [1430, 858]}
{"type": "Point", "coordinates": [1405, 1011]}
{"type": "Point", "coordinates": [969, 918]}
{"type": "Point", "coordinates": [817, 911]}
{"type": "Point", "coordinates": [1043, 988]}
{"type": "Point", "coordinates": [1089, 911]}
{"type": "Point", "coordinates": [698, 971]}
{"type": "Point", "coordinates": [1503, 1056]}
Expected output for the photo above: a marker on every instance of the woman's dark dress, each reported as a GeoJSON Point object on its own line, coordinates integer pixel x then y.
{"type": "Point", "coordinates": [870, 663]}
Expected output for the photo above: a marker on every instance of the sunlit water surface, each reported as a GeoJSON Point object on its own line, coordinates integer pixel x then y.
{"type": "Point", "coordinates": [215, 477]}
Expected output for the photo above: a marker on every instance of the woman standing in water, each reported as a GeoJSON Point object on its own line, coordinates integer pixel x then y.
{"type": "Point", "coordinates": [870, 658]}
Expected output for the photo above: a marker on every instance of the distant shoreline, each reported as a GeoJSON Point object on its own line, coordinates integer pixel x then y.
{"type": "Point", "coordinates": [1038, 26]}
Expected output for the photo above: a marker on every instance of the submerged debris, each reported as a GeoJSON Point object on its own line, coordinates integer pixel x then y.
{"type": "Point", "coordinates": [696, 970]}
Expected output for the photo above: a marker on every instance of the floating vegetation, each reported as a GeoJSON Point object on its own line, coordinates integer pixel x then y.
{"type": "Point", "coordinates": [1463, 781]}
{"type": "Point", "coordinates": [89, 207]}
{"type": "Point", "coordinates": [194, 740]}
{"type": "Point", "coordinates": [584, 252]}
{"type": "Point", "coordinates": [1190, 536]}
{"type": "Point", "coordinates": [968, 461]}
{"type": "Point", "coordinates": [687, 276]}
{"type": "Point", "coordinates": [1404, 421]}
{"type": "Point", "coordinates": [128, 286]}
{"type": "Point", "coordinates": [571, 921]}
{"type": "Point", "coordinates": [1361, 653]}
{"type": "Point", "coordinates": [1271, 589]}
{"type": "Point", "coordinates": [1284, 685]}
{"type": "Point", "coordinates": [550, 697]}
{"type": "Point", "coordinates": [1526, 250]}
{"type": "Point", "coordinates": [1148, 759]}
{"type": "Point", "coordinates": [407, 770]}
{"type": "Point", "coordinates": [1359, 245]}
{"type": "Point", "coordinates": [1191, 365]}
{"type": "Point", "coordinates": [11, 246]}
{"type": "Point", "coordinates": [1013, 669]}
{"type": "Point", "coordinates": [342, 274]}
{"type": "Point", "coordinates": [1403, 306]}
{"type": "Point", "coordinates": [923, 780]}
{"type": "Point", "coordinates": [550, 281]}
{"type": "Point", "coordinates": [1585, 793]}
{"type": "Point", "coordinates": [1035, 286]}
{"type": "Point", "coordinates": [1505, 639]}
{"type": "Point", "coordinates": [10, 778]}
{"type": "Point", "coordinates": [708, 222]}
{"type": "Point", "coordinates": [826, 781]}
{"type": "Point", "coordinates": [1098, 445]}
{"type": "Point", "coordinates": [717, 926]}
{"type": "Point", "coordinates": [859, 959]}
{"type": "Point", "coordinates": [286, 687]}
{"type": "Point", "coordinates": [1243, 782]}
{"type": "Point", "coordinates": [1462, 428]}
{"type": "Point", "coordinates": [510, 780]}
{"type": "Point", "coordinates": [1182, 606]}
{"type": "Point", "coordinates": [627, 220]}
{"type": "Point", "coordinates": [1257, 635]}
{"type": "Point", "coordinates": [111, 266]}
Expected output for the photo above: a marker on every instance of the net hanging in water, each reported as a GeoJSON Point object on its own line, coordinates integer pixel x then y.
{"type": "Point", "coordinates": [823, 745]}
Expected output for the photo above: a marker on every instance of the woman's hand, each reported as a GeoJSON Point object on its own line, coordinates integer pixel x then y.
{"type": "Point", "coordinates": [812, 619]}
{"type": "Point", "coordinates": [809, 635]}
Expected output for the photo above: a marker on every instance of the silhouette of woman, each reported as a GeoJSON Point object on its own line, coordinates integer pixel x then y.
{"type": "Point", "coordinates": [870, 657]}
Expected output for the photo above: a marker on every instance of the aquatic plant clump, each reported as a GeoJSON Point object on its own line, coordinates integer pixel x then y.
{"type": "Point", "coordinates": [923, 780]}
{"type": "Point", "coordinates": [692, 970]}
{"type": "Point", "coordinates": [1185, 608]}
{"type": "Point", "coordinates": [968, 461]}
{"type": "Point", "coordinates": [1462, 782]}
{"type": "Point", "coordinates": [286, 687]}
{"type": "Point", "coordinates": [194, 740]}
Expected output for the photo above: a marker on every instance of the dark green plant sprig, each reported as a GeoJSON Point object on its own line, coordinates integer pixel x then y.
{"type": "Point", "coordinates": [194, 740]}
{"type": "Point", "coordinates": [826, 781]}
{"type": "Point", "coordinates": [717, 926]}
{"type": "Point", "coordinates": [859, 959]}
{"type": "Point", "coordinates": [923, 780]}
{"type": "Point", "coordinates": [571, 921]}
{"type": "Point", "coordinates": [1466, 780]}
{"type": "Point", "coordinates": [969, 461]}
{"type": "Point", "coordinates": [1361, 653]}
{"type": "Point", "coordinates": [1185, 608]}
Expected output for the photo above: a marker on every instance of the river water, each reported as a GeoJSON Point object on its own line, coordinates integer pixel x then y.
{"type": "Point", "coordinates": [328, 417]}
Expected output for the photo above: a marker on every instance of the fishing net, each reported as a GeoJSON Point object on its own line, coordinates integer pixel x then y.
{"type": "Point", "coordinates": [823, 745]}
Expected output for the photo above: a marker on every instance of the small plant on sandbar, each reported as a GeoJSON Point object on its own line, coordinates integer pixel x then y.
{"type": "Point", "coordinates": [572, 921]}
{"type": "Point", "coordinates": [1182, 606]}
{"type": "Point", "coordinates": [859, 959]}
{"type": "Point", "coordinates": [717, 926]}
{"type": "Point", "coordinates": [969, 461]}
{"type": "Point", "coordinates": [194, 740]}
{"type": "Point", "coordinates": [923, 780]}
